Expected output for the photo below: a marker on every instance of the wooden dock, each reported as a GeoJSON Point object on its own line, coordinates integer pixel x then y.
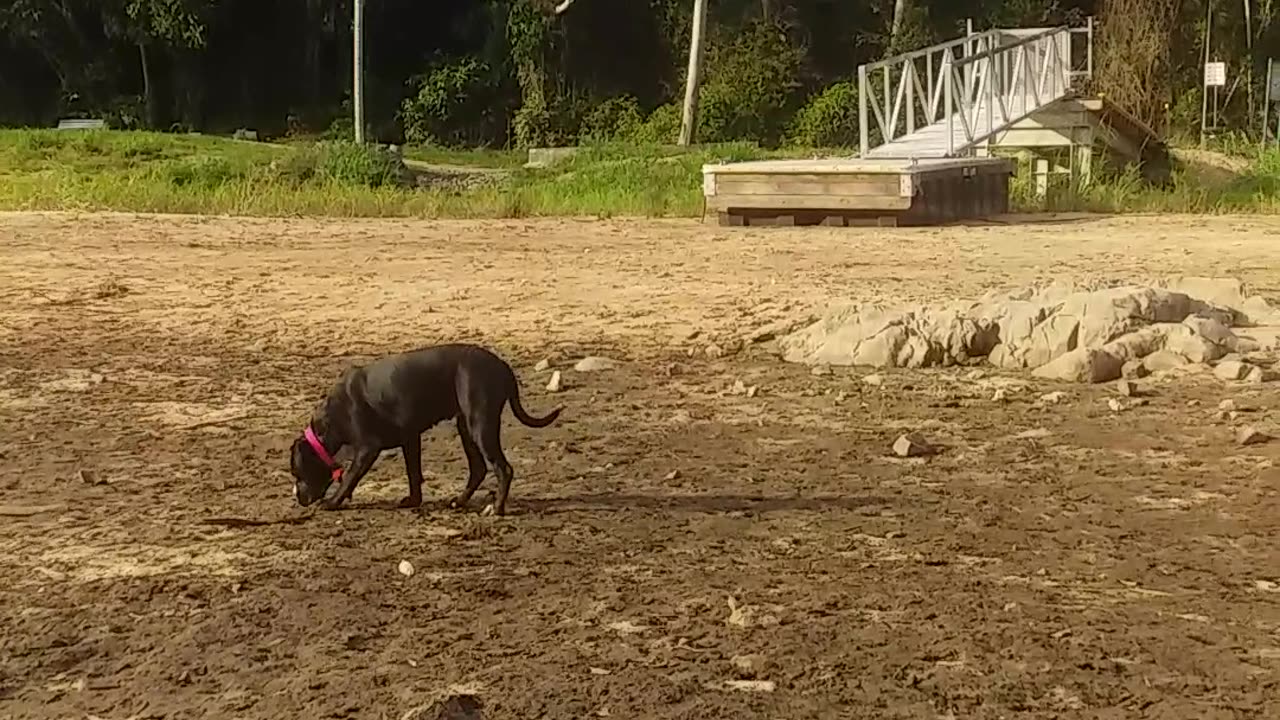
{"type": "Point", "coordinates": [843, 192]}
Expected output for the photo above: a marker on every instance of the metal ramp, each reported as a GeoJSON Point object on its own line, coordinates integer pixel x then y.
{"type": "Point", "coordinates": [948, 100]}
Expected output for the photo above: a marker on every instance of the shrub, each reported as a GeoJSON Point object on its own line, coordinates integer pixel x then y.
{"type": "Point", "coordinates": [828, 119]}
{"type": "Point", "coordinates": [662, 127]}
{"type": "Point", "coordinates": [614, 119]}
{"type": "Point", "coordinates": [750, 82]}
{"type": "Point", "coordinates": [453, 104]}
{"type": "Point", "coordinates": [342, 163]}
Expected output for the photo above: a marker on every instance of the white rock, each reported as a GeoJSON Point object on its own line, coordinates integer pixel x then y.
{"type": "Point", "coordinates": [1053, 398]}
{"type": "Point", "coordinates": [1255, 376]}
{"type": "Point", "coordinates": [543, 365]}
{"type": "Point", "coordinates": [1089, 365]}
{"type": "Point", "coordinates": [1249, 435]}
{"type": "Point", "coordinates": [1227, 405]}
{"type": "Point", "coordinates": [1163, 360]}
{"type": "Point", "coordinates": [1115, 404]}
{"type": "Point", "coordinates": [751, 685]}
{"type": "Point", "coordinates": [594, 363]}
{"type": "Point", "coordinates": [671, 475]}
{"type": "Point", "coordinates": [1134, 369]}
{"type": "Point", "coordinates": [1000, 395]}
{"type": "Point", "coordinates": [1231, 370]}
{"type": "Point", "coordinates": [752, 391]}
{"type": "Point", "coordinates": [912, 445]}
{"type": "Point", "coordinates": [713, 351]}
{"type": "Point", "coordinates": [555, 384]}
{"type": "Point", "coordinates": [739, 388]}
{"type": "Point", "coordinates": [874, 380]}
{"type": "Point", "coordinates": [405, 568]}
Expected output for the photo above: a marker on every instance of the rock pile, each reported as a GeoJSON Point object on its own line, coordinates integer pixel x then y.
{"type": "Point", "coordinates": [1082, 333]}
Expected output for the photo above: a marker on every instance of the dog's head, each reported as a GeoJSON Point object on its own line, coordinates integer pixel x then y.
{"type": "Point", "coordinates": [311, 476]}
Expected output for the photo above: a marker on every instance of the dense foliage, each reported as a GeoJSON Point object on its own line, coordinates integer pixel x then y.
{"type": "Point", "coordinates": [512, 72]}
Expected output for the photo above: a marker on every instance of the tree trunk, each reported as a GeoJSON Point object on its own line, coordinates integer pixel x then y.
{"type": "Point", "coordinates": [895, 28]}
{"type": "Point", "coordinates": [689, 123]}
{"type": "Point", "coordinates": [148, 88]}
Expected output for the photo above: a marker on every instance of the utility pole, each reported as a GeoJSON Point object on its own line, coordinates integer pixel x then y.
{"type": "Point", "coordinates": [689, 123]}
{"type": "Point", "coordinates": [357, 83]}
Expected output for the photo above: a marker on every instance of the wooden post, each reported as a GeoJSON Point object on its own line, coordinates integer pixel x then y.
{"type": "Point", "coordinates": [1204, 86]}
{"type": "Point", "coordinates": [357, 65]}
{"type": "Point", "coordinates": [689, 123]}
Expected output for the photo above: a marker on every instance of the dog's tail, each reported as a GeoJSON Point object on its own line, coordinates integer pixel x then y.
{"type": "Point", "coordinates": [525, 418]}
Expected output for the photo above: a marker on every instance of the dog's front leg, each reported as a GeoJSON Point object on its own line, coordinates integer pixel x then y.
{"type": "Point", "coordinates": [360, 466]}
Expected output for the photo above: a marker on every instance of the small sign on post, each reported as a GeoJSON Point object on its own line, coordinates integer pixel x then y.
{"type": "Point", "coordinates": [1273, 85]}
{"type": "Point", "coordinates": [1215, 74]}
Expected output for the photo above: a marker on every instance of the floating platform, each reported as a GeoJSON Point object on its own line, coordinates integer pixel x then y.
{"type": "Point", "coordinates": [860, 191]}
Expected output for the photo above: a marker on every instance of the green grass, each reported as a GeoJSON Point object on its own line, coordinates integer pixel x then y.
{"type": "Point", "coordinates": [151, 172]}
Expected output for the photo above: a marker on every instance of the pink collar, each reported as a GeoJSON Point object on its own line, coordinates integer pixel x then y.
{"type": "Point", "coordinates": [325, 457]}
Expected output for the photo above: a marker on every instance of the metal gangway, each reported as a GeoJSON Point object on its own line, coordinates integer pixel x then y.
{"type": "Point", "coordinates": [948, 100]}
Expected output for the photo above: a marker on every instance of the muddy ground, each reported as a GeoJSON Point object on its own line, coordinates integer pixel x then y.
{"type": "Point", "coordinates": [668, 537]}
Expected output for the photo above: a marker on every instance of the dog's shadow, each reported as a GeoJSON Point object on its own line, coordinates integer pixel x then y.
{"type": "Point", "coordinates": [622, 502]}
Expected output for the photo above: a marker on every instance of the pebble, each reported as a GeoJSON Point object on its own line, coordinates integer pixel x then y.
{"type": "Point", "coordinates": [1000, 395]}
{"type": "Point", "coordinates": [912, 445]}
{"type": "Point", "coordinates": [671, 475]}
{"type": "Point", "coordinates": [1115, 404]}
{"type": "Point", "coordinates": [555, 384]}
{"type": "Point", "coordinates": [753, 391]}
{"type": "Point", "coordinates": [543, 365]}
{"type": "Point", "coordinates": [594, 363]}
{"type": "Point", "coordinates": [405, 568]}
{"type": "Point", "coordinates": [1054, 397]}
{"type": "Point", "coordinates": [1249, 435]}
{"type": "Point", "coordinates": [874, 380]}
{"type": "Point", "coordinates": [1227, 405]}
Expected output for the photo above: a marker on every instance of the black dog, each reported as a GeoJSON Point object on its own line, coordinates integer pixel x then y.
{"type": "Point", "coordinates": [390, 402]}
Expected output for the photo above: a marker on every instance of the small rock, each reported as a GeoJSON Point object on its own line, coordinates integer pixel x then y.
{"type": "Point", "coordinates": [1134, 369]}
{"type": "Point", "coordinates": [713, 351]}
{"type": "Point", "coordinates": [1249, 435]}
{"type": "Point", "coordinates": [594, 363]}
{"type": "Point", "coordinates": [818, 370]}
{"type": "Point", "coordinates": [1000, 395]}
{"type": "Point", "coordinates": [1232, 370]}
{"type": "Point", "coordinates": [1115, 404]}
{"type": "Point", "coordinates": [1255, 376]}
{"type": "Point", "coordinates": [88, 477]}
{"type": "Point", "coordinates": [487, 511]}
{"type": "Point", "coordinates": [912, 445]}
{"type": "Point", "coordinates": [671, 475]}
{"type": "Point", "coordinates": [555, 383]}
{"type": "Point", "coordinates": [405, 568]}
{"type": "Point", "coordinates": [599, 671]}
{"type": "Point", "coordinates": [751, 685]}
{"type": "Point", "coordinates": [874, 380]}
{"type": "Point", "coordinates": [1227, 405]}
{"type": "Point", "coordinates": [739, 388]}
{"type": "Point", "coordinates": [1053, 398]}
{"type": "Point", "coordinates": [543, 365]}
{"type": "Point", "coordinates": [749, 667]}
{"type": "Point", "coordinates": [753, 390]}
{"type": "Point", "coordinates": [1126, 388]}
{"type": "Point", "coordinates": [1193, 403]}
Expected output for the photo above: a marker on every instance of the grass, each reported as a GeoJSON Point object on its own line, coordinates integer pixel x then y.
{"type": "Point", "coordinates": [150, 172]}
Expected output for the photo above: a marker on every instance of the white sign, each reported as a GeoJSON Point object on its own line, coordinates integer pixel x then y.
{"type": "Point", "coordinates": [1215, 74]}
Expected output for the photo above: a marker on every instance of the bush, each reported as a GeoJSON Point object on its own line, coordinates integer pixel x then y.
{"type": "Point", "coordinates": [454, 104]}
{"type": "Point", "coordinates": [750, 82]}
{"type": "Point", "coordinates": [662, 127]}
{"type": "Point", "coordinates": [828, 119]}
{"type": "Point", "coordinates": [614, 119]}
{"type": "Point", "coordinates": [341, 163]}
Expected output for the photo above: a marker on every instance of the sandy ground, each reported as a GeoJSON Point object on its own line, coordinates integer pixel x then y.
{"type": "Point", "coordinates": [669, 538]}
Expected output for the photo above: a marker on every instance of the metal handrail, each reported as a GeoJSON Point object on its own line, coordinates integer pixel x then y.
{"type": "Point", "coordinates": [984, 79]}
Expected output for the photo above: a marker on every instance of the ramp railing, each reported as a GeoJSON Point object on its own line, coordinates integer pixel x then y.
{"type": "Point", "coordinates": [977, 85]}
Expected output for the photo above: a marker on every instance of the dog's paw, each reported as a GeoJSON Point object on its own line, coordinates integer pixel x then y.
{"type": "Point", "coordinates": [410, 502]}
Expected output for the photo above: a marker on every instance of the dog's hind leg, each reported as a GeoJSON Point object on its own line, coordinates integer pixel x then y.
{"type": "Point", "coordinates": [412, 448]}
{"type": "Point", "coordinates": [475, 465]}
{"type": "Point", "coordinates": [491, 445]}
